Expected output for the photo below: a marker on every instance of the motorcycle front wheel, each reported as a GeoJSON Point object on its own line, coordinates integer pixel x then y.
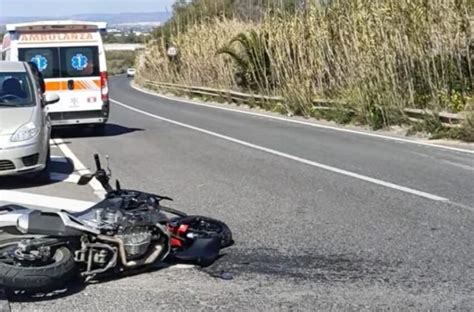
{"type": "Point", "coordinates": [34, 275]}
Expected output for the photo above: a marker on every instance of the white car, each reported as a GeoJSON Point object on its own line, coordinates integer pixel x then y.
{"type": "Point", "coordinates": [131, 72]}
{"type": "Point", "coordinates": [25, 128]}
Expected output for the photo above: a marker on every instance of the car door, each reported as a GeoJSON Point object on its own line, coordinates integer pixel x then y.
{"type": "Point", "coordinates": [45, 119]}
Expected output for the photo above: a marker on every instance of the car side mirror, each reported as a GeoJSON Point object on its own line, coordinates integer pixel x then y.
{"type": "Point", "coordinates": [85, 179]}
{"type": "Point", "coordinates": [51, 98]}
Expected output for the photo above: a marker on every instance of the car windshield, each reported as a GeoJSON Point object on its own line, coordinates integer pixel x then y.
{"type": "Point", "coordinates": [15, 90]}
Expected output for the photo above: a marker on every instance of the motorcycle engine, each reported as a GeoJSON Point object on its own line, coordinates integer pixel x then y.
{"type": "Point", "coordinates": [136, 240]}
{"type": "Point", "coordinates": [134, 228]}
{"type": "Point", "coordinates": [105, 219]}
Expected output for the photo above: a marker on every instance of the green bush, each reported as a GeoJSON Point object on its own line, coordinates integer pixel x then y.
{"type": "Point", "coordinates": [119, 61]}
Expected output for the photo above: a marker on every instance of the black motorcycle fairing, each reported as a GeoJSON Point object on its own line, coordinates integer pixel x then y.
{"type": "Point", "coordinates": [124, 199]}
{"type": "Point", "coordinates": [137, 195]}
{"type": "Point", "coordinates": [11, 208]}
{"type": "Point", "coordinates": [108, 203]}
{"type": "Point", "coordinates": [203, 251]}
{"type": "Point", "coordinates": [129, 201]}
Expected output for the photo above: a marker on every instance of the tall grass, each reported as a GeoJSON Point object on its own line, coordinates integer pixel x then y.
{"type": "Point", "coordinates": [379, 56]}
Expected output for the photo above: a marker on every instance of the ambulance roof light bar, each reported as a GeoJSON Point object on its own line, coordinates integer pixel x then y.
{"type": "Point", "coordinates": [57, 26]}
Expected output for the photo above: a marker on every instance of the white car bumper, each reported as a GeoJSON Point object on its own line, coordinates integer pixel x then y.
{"type": "Point", "coordinates": [20, 158]}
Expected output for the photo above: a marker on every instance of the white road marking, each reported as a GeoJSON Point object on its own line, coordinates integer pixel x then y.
{"type": "Point", "coordinates": [63, 177]}
{"type": "Point", "coordinates": [311, 124]}
{"type": "Point", "coordinates": [60, 159]}
{"type": "Point", "coordinates": [28, 199]}
{"type": "Point", "coordinates": [79, 167]}
{"type": "Point", "coordinates": [182, 266]}
{"type": "Point", "coordinates": [292, 157]}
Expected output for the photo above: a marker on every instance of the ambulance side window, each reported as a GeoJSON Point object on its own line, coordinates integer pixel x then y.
{"type": "Point", "coordinates": [46, 59]}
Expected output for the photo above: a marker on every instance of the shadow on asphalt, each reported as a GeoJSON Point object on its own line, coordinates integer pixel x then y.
{"type": "Point", "coordinates": [238, 263]}
{"type": "Point", "coordinates": [61, 170]}
{"type": "Point", "coordinates": [85, 131]}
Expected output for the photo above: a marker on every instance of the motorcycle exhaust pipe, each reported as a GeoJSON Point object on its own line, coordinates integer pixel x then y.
{"type": "Point", "coordinates": [151, 257]}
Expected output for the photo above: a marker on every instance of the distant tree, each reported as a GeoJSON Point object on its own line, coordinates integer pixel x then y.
{"type": "Point", "coordinates": [128, 37]}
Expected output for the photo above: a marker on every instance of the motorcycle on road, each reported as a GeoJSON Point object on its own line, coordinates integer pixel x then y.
{"type": "Point", "coordinates": [128, 229]}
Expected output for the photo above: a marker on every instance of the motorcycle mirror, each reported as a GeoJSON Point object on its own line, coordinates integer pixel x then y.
{"type": "Point", "coordinates": [85, 179]}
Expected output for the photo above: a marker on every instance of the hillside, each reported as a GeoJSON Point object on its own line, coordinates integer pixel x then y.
{"type": "Point", "coordinates": [373, 58]}
{"type": "Point", "coordinates": [112, 19]}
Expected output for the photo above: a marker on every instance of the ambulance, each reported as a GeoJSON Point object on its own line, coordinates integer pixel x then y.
{"type": "Point", "coordinates": [71, 57]}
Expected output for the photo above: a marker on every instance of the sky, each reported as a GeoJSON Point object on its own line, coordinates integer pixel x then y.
{"type": "Point", "coordinates": [53, 8]}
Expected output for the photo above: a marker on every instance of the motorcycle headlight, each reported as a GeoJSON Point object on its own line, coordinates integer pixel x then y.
{"type": "Point", "coordinates": [25, 132]}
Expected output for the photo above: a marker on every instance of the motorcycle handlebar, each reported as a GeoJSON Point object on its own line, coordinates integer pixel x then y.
{"type": "Point", "coordinates": [101, 175]}
{"type": "Point", "coordinates": [97, 162]}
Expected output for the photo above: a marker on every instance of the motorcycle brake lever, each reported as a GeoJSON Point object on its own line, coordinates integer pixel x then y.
{"type": "Point", "coordinates": [164, 198]}
{"type": "Point", "coordinates": [108, 165]}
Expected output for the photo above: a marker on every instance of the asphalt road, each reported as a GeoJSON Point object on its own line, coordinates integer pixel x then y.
{"type": "Point", "coordinates": [323, 219]}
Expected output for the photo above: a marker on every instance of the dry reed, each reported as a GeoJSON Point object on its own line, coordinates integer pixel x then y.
{"type": "Point", "coordinates": [380, 56]}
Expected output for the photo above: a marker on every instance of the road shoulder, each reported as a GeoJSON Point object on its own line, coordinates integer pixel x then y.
{"type": "Point", "coordinates": [396, 133]}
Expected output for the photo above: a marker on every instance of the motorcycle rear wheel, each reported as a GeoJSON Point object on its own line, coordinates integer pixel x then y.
{"type": "Point", "coordinates": [35, 278]}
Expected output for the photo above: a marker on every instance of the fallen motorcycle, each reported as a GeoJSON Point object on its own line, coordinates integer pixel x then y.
{"type": "Point", "coordinates": [128, 229]}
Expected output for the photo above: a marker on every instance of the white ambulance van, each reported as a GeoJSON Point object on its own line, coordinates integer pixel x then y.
{"type": "Point", "coordinates": [71, 58]}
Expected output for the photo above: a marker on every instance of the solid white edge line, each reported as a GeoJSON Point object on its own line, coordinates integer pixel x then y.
{"type": "Point", "coordinates": [291, 157]}
{"type": "Point", "coordinates": [182, 266]}
{"type": "Point", "coordinates": [28, 199]}
{"type": "Point", "coordinates": [59, 159]}
{"type": "Point", "coordinates": [79, 167]}
{"type": "Point", "coordinates": [64, 177]}
{"type": "Point", "coordinates": [374, 135]}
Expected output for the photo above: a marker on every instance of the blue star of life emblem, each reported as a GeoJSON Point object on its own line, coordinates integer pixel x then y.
{"type": "Point", "coordinates": [41, 62]}
{"type": "Point", "coordinates": [79, 61]}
